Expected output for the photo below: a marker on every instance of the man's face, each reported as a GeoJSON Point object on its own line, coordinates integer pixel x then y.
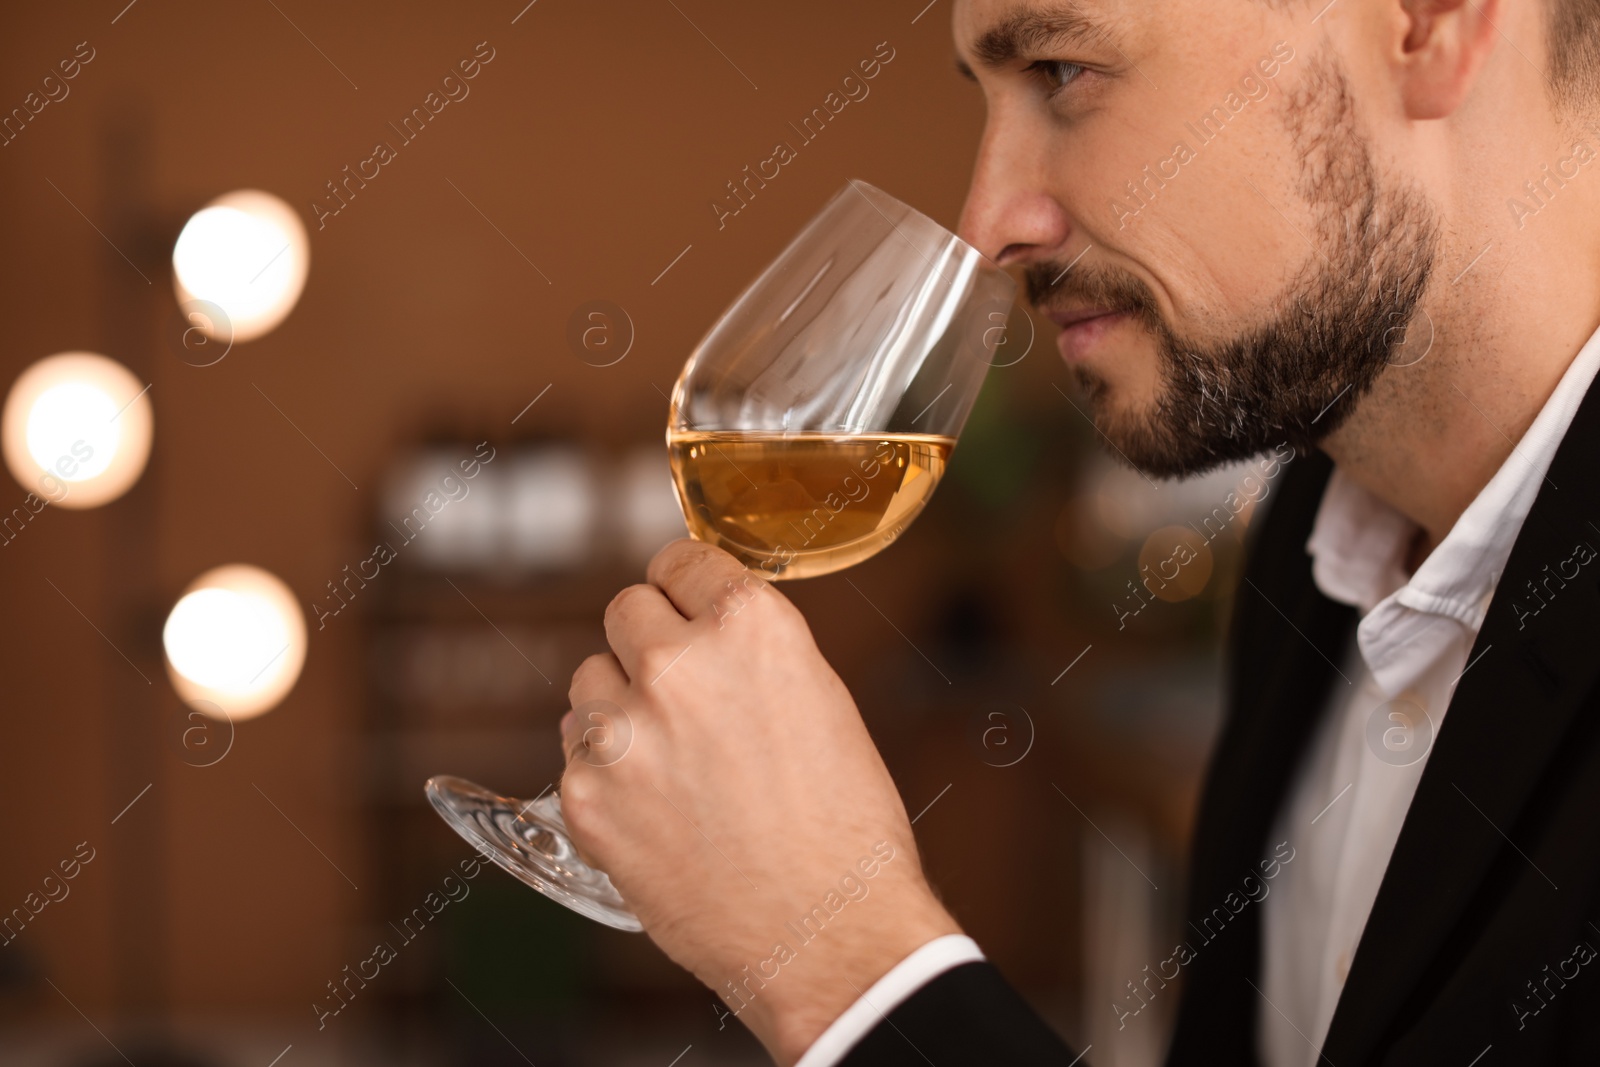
{"type": "Point", "coordinates": [1193, 193]}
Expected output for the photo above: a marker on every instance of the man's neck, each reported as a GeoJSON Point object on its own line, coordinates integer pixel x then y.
{"type": "Point", "coordinates": [1430, 435]}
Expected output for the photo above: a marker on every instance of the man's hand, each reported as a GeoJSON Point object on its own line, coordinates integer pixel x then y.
{"type": "Point", "coordinates": [738, 803]}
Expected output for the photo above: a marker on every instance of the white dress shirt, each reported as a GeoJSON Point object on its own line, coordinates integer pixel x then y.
{"type": "Point", "coordinates": [1345, 808]}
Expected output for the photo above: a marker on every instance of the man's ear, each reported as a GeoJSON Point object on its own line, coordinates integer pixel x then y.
{"type": "Point", "coordinates": [1447, 43]}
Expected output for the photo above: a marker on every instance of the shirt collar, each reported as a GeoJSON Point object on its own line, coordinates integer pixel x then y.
{"type": "Point", "coordinates": [1358, 545]}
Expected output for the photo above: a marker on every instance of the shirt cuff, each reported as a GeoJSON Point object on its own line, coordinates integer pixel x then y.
{"type": "Point", "coordinates": [887, 993]}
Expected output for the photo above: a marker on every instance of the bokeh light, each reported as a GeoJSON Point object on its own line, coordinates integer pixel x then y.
{"type": "Point", "coordinates": [76, 429]}
{"type": "Point", "coordinates": [245, 254]}
{"type": "Point", "coordinates": [1176, 563]}
{"type": "Point", "coordinates": [236, 641]}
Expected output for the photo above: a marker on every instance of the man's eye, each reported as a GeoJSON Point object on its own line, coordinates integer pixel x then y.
{"type": "Point", "coordinates": [1054, 74]}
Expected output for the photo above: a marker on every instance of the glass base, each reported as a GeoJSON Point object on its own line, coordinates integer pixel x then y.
{"type": "Point", "coordinates": [529, 840]}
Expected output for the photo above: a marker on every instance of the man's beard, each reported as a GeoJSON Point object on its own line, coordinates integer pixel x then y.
{"type": "Point", "coordinates": [1295, 377]}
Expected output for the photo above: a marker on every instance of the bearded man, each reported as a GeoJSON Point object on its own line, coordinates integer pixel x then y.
{"type": "Point", "coordinates": [1368, 230]}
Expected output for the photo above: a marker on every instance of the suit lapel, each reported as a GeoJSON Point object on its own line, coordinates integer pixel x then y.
{"type": "Point", "coordinates": [1286, 637]}
{"type": "Point", "coordinates": [1532, 664]}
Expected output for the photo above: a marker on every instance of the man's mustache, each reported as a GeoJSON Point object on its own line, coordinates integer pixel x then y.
{"type": "Point", "coordinates": [1052, 285]}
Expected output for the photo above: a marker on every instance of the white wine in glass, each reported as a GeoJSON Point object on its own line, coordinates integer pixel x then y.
{"type": "Point", "coordinates": [805, 504]}
{"type": "Point", "coordinates": [808, 429]}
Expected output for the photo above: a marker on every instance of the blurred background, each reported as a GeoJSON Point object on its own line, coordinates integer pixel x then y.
{"type": "Point", "coordinates": [436, 303]}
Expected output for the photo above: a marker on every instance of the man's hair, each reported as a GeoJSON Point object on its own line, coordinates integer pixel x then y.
{"type": "Point", "coordinates": [1572, 28]}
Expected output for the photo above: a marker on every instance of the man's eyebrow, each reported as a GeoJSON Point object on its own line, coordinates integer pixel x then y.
{"type": "Point", "coordinates": [1030, 31]}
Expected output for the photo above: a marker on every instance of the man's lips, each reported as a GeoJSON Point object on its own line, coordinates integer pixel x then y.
{"type": "Point", "coordinates": [1064, 319]}
{"type": "Point", "coordinates": [1082, 330]}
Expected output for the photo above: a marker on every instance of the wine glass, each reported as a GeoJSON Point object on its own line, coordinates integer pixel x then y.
{"type": "Point", "coordinates": [807, 430]}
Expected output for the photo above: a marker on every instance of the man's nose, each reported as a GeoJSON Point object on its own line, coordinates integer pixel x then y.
{"type": "Point", "coordinates": [1011, 215]}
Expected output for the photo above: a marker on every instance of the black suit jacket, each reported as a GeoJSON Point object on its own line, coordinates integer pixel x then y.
{"type": "Point", "coordinates": [1481, 948]}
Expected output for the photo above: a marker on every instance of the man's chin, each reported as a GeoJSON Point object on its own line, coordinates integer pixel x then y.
{"type": "Point", "coordinates": [1122, 427]}
{"type": "Point", "coordinates": [1113, 412]}
{"type": "Point", "coordinates": [1153, 440]}
{"type": "Point", "coordinates": [1135, 433]}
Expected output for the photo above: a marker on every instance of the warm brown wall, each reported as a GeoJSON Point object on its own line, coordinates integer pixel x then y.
{"type": "Point", "coordinates": [595, 140]}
